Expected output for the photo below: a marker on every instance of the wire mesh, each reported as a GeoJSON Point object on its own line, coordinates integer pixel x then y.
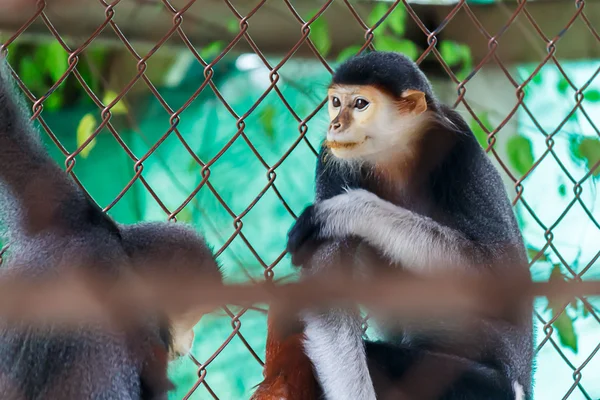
{"type": "Point", "coordinates": [40, 12]}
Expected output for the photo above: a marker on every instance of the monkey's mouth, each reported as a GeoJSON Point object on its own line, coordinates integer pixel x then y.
{"type": "Point", "coordinates": [332, 144]}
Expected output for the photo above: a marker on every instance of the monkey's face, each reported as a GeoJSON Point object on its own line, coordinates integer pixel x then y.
{"type": "Point", "coordinates": [368, 123]}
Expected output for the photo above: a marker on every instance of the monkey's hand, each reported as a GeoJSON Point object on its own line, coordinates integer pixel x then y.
{"type": "Point", "coordinates": [339, 217]}
{"type": "Point", "coordinates": [303, 238]}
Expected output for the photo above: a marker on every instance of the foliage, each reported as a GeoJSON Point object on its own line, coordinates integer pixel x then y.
{"type": "Point", "coordinates": [478, 131]}
{"type": "Point", "coordinates": [520, 153]}
{"type": "Point", "coordinates": [119, 107]}
{"type": "Point", "coordinates": [348, 52]}
{"type": "Point", "coordinates": [562, 323]}
{"type": "Point", "coordinates": [457, 55]}
{"type": "Point", "coordinates": [519, 148]}
{"type": "Point", "coordinates": [267, 117]}
{"type": "Point", "coordinates": [395, 21]}
{"type": "Point", "coordinates": [564, 311]}
{"type": "Point", "coordinates": [319, 34]}
{"type": "Point", "coordinates": [404, 46]}
{"type": "Point", "coordinates": [86, 128]}
{"type": "Point", "coordinates": [592, 95]}
{"type": "Point", "coordinates": [389, 33]}
{"type": "Point", "coordinates": [586, 150]}
{"type": "Point", "coordinates": [40, 66]}
{"type": "Point", "coordinates": [212, 50]}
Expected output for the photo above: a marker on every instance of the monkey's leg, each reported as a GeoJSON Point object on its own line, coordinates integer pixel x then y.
{"type": "Point", "coordinates": [288, 371]}
{"type": "Point", "coordinates": [334, 340]}
{"type": "Point", "coordinates": [411, 373]}
{"type": "Point", "coordinates": [414, 241]}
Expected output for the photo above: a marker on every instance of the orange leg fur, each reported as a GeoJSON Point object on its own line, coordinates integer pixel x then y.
{"type": "Point", "coordinates": [288, 371]}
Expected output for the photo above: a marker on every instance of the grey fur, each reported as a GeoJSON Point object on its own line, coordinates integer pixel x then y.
{"type": "Point", "coordinates": [53, 226]}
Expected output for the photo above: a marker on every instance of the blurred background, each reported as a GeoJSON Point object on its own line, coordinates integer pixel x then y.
{"type": "Point", "coordinates": [221, 103]}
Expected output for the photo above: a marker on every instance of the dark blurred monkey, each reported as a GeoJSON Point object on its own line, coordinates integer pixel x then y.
{"type": "Point", "coordinates": [402, 178]}
{"type": "Point", "coordinates": [54, 227]}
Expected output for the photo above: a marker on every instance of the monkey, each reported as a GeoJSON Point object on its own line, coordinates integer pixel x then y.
{"type": "Point", "coordinates": [54, 227]}
{"type": "Point", "coordinates": [401, 177]}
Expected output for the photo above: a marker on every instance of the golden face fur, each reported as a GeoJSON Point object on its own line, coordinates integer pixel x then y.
{"type": "Point", "coordinates": [367, 123]}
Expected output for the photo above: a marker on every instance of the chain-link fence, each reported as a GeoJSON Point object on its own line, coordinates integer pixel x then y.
{"type": "Point", "coordinates": [491, 60]}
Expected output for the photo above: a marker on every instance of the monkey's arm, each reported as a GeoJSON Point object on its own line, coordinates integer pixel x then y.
{"type": "Point", "coordinates": [36, 192]}
{"type": "Point", "coordinates": [403, 236]}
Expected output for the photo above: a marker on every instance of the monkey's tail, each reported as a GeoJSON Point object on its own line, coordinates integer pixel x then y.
{"type": "Point", "coordinates": [35, 191]}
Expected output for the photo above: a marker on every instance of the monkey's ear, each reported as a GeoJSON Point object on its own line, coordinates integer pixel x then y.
{"type": "Point", "coordinates": [416, 100]}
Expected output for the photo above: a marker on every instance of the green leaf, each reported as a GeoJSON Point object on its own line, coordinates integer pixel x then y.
{"type": "Point", "coordinates": [533, 252]}
{"type": "Point", "coordinates": [193, 166]}
{"type": "Point", "coordinates": [562, 190]}
{"type": "Point", "coordinates": [267, 117]}
{"type": "Point", "coordinates": [377, 12]}
{"type": "Point", "coordinates": [90, 79]}
{"type": "Point", "coordinates": [119, 108]}
{"type": "Point", "coordinates": [54, 101]}
{"type": "Point", "coordinates": [86, 128]}
{"type": "Point", "coordinates": [212, 49]}
{"type": "Point", "coordinates": [566, 331]}
{"type": "Point", "coordinates": [592, 95]}
{"type": "Point", "coordinates": [563, 324]}
{"type": "Point", "coordinates": [96, 56]}
{"type": "Point", "coordinates": [453, 53]}
{"type": "Point", "coordinates": [588, 150]}
{"type": "Point", "coordinates": [348, 52]}
{"type": "Point", "coordinates": [404, 46]}
{"type": "Point", "coordinates": [40, 53]}
{"type": "Point", "coordinates": [574, 303]}
{"type": "Point", "coordinates": [396, 20]}
{"type": "Point", "coordinates": [556, 274]}
{"type": "Point", "coordinates": [319, 34]}
{"type": "Point", "coordinates": [457, 54]}
{"type": "Point", "coordinates": [56, 61]}
{"type": "Point", "coordinates": [520, 153]}
{"type": "Point", "coordinates": [233, 26]}
{"type": "Point", "coordinates": [30, 75]}
{"type": "Point", "coordinates": [478, 131]}
{"type": "Point", "coordinates": [563, 85]}
{"type": "Point", "coordinates": [574, 147]}
{"type": "Point", "coordinates": [185, 215]}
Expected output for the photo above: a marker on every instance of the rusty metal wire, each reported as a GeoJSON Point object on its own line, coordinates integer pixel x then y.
{"type": "Point", "coordinates": [517, 13]}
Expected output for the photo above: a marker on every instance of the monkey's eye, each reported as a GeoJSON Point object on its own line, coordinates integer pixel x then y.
{"type": "Point", "coordinates": [361, 104]}
{"type": "Point", "coordinates": [335, 102]}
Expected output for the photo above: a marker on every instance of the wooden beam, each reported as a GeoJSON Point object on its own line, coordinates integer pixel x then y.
{"type": "Point", "coordinates": [275, 29]}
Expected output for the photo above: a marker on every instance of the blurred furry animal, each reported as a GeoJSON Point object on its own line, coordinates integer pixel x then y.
{"type": "Point", "coordinates": [402, 180]}
{"type": "Point", "coordinates": [52, 227]}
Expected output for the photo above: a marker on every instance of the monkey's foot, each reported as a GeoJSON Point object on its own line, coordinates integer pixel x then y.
{"type": "Point", "coordinates": [282, 388]}
{"type": "Point", "coordinates": [276, 389]}
{"type": "Point", "coordinates": [288, 371]}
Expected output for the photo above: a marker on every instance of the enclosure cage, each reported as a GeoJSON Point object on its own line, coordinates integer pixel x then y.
{"type": "Point", "coordinates": [212, 112]}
